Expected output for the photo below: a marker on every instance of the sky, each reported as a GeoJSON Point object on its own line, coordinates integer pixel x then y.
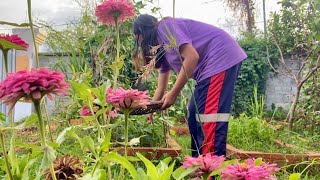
{"type": "Point", "coordinates": [63, 11]}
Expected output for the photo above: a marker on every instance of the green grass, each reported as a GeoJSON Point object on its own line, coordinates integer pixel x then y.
{"type": "Point", "coordinates": [185, 144]}
{"type": "Point", "coordinates": [254, 134]}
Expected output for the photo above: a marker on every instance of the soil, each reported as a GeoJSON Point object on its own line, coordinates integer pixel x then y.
{"type": "Point", "coordinates": [181, 130]}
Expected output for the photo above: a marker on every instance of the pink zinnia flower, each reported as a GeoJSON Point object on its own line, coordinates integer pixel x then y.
{"type": "Point", "coordinates": [32, 85]}
{"type": "Point", "coordinates": [127, 99]}
{"type": "Point", "coordinates": [207, 163]}
{"type": "Point", "coordinates": [15, 39]}
{"type": "Point", "coordinates": [85, 111]}
{"type": "Point", "coordinates": [249, 171]}
{"type": "Point", "coordinates": [112, 11]}
{"type": "Point", "coordinates": [270, 168]}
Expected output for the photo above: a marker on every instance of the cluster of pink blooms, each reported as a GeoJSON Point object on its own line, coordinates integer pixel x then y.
{"type": "Point", "coordinates": [250, 171]}
{"type": "Point", "coordinates": [85, 111]}
{"type": "Point", "coordinates": [207, 163]}
{"type": "Point", "coordinates": [32, 85]}
{"type": "Point", "coordinates": [128, 99]}
{"type": "Point", "coordinates": [112, 11]}
{"type": "Point", "coordinates": [15, 39]}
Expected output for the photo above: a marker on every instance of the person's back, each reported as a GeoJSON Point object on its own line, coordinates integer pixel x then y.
{"type": "Point", "coordinates": [217, 50]}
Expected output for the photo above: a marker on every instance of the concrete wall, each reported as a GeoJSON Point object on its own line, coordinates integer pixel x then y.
{"type": "Point", "coordinates": [280, 89]}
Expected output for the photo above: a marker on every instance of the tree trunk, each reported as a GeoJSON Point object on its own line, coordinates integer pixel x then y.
{"type": "Point", "coordinates": [250, 21]}
{"type": "Point", "coordinates": [294, 106]}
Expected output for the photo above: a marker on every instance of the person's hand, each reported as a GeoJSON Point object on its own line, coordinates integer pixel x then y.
{"type": "Point", "coordinates": [169, 99]}
{"type": "Point", "coordinates": [150, 118]}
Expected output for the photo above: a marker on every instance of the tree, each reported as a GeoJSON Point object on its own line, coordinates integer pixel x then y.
{"type": "Point", "coordinates": [295, 32]}
{"type": "Point", "coordinates": [245, 8]}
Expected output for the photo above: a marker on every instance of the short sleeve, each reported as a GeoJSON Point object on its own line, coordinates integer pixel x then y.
{"type": "Point", "coordinates": [175, 28]}
{"type": "Point", "coordinates": [165, 66]}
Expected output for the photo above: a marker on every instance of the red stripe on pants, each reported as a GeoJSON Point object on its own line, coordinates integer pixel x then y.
{"type": "Point", "coordinates": [211, 107]}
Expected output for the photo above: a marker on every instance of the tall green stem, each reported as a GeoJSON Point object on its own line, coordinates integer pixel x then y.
{"type": "Point", "coordinates": [100, 131]}
{"type": "Point", "coordinates": [43, 133]}
{"type": "Point", "coordinates": [5, 55]}
{"type": "Point", "coordinates": [118, 54]}
{"type": "Point", "coordinates": [48, 118]}
{"type": "Point", "coordinates": [33, 36]}
{"type": "Point", "coordinates": [126, 114]}
{"type": "Point", "coordinates": [4, 151]}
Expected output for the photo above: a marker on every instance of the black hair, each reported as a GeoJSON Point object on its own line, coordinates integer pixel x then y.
{"type": "Point", "coordinates": [146, 26]}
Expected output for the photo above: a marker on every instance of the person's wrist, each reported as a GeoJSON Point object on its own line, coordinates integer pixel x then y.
{"type": "Point", "coordinates": [175, 91]}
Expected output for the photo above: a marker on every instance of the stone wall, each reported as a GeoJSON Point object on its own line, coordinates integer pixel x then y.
{"type": "Point", "coordinates": [280, 89]}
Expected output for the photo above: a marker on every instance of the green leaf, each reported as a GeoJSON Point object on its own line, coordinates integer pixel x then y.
{"type": "Point", "coordinates": [258, 162]}
{"type": "Point", "coordinates": [181, 172]}
{"type": "Point", "coordinates": [106, 144]}
{"type": "Point", "coordinates": [61, 136]}
{"type": "Point", "coordinates": [216, 172]}
{"type": "Point", "coordinates": [28, 145]}
{"type": "Point", "coordinates": [48, 157]}
{"type": "Point", "coordinates": [6, 45]}
{"type": "Point", "coordinates": [142, 175]}
{"type": "Point", "coordinates": [2, 117]}
{"type": "Point", "coordinates": [114, 157]}
{"type": "Point", "coordinates": [89, 143]}
{"type": "Point", "coordinates": [25, 174]}
{"type": "Point", "coordinates": [295, 176]}
{"type": "Point", "coordinates": [32, 119]}
{"type": "Point", "coordinates": [88, 118]}
{"type": "Point", "coordinates": [99, 174]}
{"type": "Point", "coordinates": [166, 175]}
{"type": "Point", "coordinates": [12, 154]}
{"type": "Point", "coordinates": [167, 160]}
{"type": "Point", "coordinates": [151, 169]}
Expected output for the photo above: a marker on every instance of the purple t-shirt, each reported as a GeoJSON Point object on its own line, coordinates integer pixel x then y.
{"type": "Point", "coordinates": [217, 50]}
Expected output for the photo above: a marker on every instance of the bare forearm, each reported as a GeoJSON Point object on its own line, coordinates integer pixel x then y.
{"type": "Point", "coordinates": [158, 94]}
{"type": "Point", "coordinates": [185, 73]}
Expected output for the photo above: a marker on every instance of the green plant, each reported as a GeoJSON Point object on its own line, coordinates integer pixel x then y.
{"type": "Point", "coordinates": [253, 72]}
{"type": "Point", "coordinates": [294, 30]}
{"type": "Point", "coordinates": [257, 104]}
{"type": "Point", "coordinates": [163, 171]}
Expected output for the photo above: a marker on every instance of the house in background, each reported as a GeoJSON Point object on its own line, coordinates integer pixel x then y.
{"type": "Point", "coordinates": [22, 60]}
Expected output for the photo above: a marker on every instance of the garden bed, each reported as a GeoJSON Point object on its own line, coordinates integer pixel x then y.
{"type": "Point", "coordinates": [172, 150]}
{"type": "Point", "coordinates": [233, 152]}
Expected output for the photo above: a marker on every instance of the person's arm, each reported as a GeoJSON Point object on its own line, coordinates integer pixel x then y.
{"type": "Point", "coordinates": [191, 58]}
{"type": "Point", "coordinates": [163, 80]}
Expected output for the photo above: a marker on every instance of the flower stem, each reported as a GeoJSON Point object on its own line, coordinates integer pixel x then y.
{"type": "Point", "coordinates": [37, 107]}
{"type": "Point", "coordinates": [126, 114]}
{"type": "Point", "coordinates": [33, 36]}
{"type": "Point", "coordinates": [5, 55]}
{"type": "Point", "coordinates": [47, 117]}
{"type": "Point", "coordinates": [100, 131]}
{"type": "Point", "coordinates": [118, 54]}
{"type": "Point", "coordinates": [4, 151]}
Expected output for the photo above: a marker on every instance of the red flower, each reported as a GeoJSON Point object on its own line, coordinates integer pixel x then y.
{"type": "Point", "coordinates": [15, 39]}
{"type": "Point", "coordinates": [127, 99]}
{"type": "Point", "coordinates": [113, 11]}
{"type": "Point", "coordinates": [32, 85]}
